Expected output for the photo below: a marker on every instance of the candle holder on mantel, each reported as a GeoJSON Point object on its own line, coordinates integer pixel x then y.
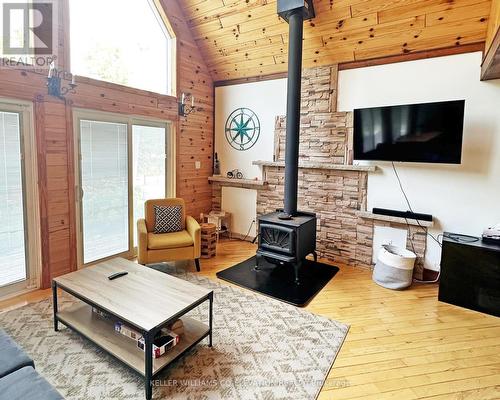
{"type": "Point", "coordinates": [184, 107]}
{"type": "Point", "coordinates": [54, 80]}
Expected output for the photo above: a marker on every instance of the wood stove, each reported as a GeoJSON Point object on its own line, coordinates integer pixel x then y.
{"type": "Point", "coordinates": [287, 241]}
{"type": "Point", "coordinates": [288, 236]}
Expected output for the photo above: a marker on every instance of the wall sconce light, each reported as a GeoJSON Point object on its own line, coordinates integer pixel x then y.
{"type": "Point", "coordinates": [54, 82]}
{"type": "Point", "coordinates": [184, 108]}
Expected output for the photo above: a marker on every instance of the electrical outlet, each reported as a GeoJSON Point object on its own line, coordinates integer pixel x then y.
{"type": "Point", "coordinates": [197, 164]}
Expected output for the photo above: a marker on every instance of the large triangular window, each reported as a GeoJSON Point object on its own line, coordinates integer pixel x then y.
{"type": "Point", "coordinates": [121, 41]}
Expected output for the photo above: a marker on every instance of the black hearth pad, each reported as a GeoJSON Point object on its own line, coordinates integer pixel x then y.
{"type": "Point", "coordinates": [278, 281]}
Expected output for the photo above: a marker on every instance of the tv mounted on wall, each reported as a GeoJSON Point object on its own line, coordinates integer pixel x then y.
{"type": "Point", "coordinates": [427, 132]}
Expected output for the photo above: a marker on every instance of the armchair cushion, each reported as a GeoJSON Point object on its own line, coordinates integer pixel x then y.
{"type": "Point", "coordinates": [172, 240]}
{"type": "Point", "coordinates": [168, 219]}
{"type": "Point", "coordinates": [150, 213]}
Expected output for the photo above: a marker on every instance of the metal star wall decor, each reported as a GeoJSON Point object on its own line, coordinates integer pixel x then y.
{"type": "Point", "coordinates": [242, 129]}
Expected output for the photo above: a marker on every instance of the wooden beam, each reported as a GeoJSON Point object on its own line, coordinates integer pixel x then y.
{"type": "Point", "coordinates": [42, 189]}
{"type": "Point", "coordinates": [238, 81]}
{"type": "Point", "coordinates": [493, 24]}
{"type": "Point", "coordinates": [70, 146]}
{"type": "Point", "coordinates": [418, 55]}
{"type": "Point", "coordinates": [490, 68]}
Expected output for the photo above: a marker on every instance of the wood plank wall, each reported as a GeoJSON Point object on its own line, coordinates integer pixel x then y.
{"type": "Point", "coordinates": [54, 138]}
{"type": "Point", "coordinates": [196, 132]}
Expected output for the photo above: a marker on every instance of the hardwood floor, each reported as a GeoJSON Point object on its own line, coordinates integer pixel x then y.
{"type": "Point", "coordinates": [401, 344]}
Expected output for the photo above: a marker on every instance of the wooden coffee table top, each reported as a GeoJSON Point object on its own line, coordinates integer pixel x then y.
{"type": "Point", "coordinates": [145, 298]}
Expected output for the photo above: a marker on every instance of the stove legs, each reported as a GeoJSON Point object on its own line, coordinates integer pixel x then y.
{"type": "Point", "coordinates": [296, 267]}
{"type": "Point", "coordinates": [315, 256]}
{"type": "Point", "coordinates": [258, 259]}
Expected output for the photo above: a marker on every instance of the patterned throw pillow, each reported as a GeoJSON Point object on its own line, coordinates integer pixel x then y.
{"type": "Point", "coordinates": [168, 219]}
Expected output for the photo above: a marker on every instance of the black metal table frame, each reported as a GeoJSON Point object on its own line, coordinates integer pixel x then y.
{"type": "Point", "coordinates": [148, 335]}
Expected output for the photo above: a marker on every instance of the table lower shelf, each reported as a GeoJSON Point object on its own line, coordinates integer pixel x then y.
{"type": "Point", "coordinates": [101, 331]}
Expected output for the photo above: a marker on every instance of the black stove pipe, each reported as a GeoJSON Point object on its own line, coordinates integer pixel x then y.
{"type": "Point", "coordinates": [295, 21]}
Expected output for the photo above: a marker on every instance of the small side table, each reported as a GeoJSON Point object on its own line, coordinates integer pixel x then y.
{"type": "Point", "coordinates": [208, 240]}
{"type": "Point", "coordinates": [221, 219]}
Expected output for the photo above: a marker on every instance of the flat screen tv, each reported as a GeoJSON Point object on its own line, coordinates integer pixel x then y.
{"type": "Point", "coordinates": [427, 132]}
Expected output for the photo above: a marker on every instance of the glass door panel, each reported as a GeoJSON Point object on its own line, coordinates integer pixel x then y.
{"type": "Point", "coordinates": [104, 183]}
{"type": "Point", "coordinates": [13, 265]}
{"type": "Point", "coordinates": [148, 163]}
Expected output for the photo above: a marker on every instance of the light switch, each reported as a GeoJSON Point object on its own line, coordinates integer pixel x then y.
{"type": "Point", "coordinates": [197, 164]}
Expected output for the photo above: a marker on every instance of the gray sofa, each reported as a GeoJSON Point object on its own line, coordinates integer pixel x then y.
{"type": "Point", "coordinates": [18, 378]}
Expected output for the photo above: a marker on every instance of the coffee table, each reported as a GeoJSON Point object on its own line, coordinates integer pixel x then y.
{"type": "Point", "coordinates": [144, 299]}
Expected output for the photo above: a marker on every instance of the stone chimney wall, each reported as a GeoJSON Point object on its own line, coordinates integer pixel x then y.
{"type": "Point", "coordinates": [324, 133]}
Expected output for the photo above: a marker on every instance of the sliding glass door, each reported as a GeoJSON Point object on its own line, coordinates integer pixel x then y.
{"type": "Point", "coordinates": [19, 228]}
{"type": "Point", "coordinates": [104, 183]}
{"type": "Point", "coordinates": [149, 167]}
{"type": "Point", "coordinates": [123, 162]}
{"type": "Point", "coordinates": [13, 265]}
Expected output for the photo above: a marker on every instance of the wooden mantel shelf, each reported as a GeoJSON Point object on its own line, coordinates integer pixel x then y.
{"type": "Point", "coordinates": [317, 165]}
{"type": "Point", "coordinates": [399, 220]}
{"type": "Point", "coordinates": [245, 183]}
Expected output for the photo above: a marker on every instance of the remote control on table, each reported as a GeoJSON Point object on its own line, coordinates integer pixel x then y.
{"type": "Point", "coordinates": [117, 275]}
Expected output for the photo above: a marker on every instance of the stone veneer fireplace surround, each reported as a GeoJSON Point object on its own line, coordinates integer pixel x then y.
{"type": "Point", "coordinates": [328, 184]}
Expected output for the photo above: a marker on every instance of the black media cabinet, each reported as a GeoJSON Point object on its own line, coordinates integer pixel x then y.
{"type": "Point", "coordinates": [470, 274]}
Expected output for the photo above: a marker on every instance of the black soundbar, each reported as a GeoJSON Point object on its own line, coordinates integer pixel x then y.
{"type": "Point", "coordinates": [403, 214]}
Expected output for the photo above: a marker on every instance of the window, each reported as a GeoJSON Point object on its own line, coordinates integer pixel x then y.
{"type": "Point", "coordinates": [19, 231]}
{"type": "Point", "coordinates": [121, 41]}
{"type": "Point", "coordinates": [123, 162]}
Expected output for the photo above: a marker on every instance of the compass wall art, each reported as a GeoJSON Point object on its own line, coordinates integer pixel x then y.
{"type": "Point", "coordinates": [242, 129]}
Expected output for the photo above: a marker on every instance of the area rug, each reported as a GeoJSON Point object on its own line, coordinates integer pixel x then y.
{"type": "Point", "coordinates": [263, 349]}
{"type": "Point", "coordinates": [278, 281]}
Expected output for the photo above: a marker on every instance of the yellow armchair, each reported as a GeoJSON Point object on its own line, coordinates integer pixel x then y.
{"type": "Point", "coordinates": [157, 247]}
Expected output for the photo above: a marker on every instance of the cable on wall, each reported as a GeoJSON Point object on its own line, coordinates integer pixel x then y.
{"type": "Point", "coordinates": [409, 206]}
{"type": "Point", "coordinates": [418, 222]}
{"type": "Point", "coordinates": [249, 229]}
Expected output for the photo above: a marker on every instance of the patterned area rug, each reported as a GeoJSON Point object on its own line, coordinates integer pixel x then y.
{"type": "Point", "coordinates": [263, 349]}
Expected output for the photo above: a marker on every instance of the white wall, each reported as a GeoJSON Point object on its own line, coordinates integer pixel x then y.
{"type": "Point", "coordinates": [268, 100]}
{"type": "Point", "coordinates": [463, 198]}
{"type": "Point", "coordinates": [242, 204]}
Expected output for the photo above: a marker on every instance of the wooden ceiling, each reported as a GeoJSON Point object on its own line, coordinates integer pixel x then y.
{"type": "Point", "coordinates": [246, 38]}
